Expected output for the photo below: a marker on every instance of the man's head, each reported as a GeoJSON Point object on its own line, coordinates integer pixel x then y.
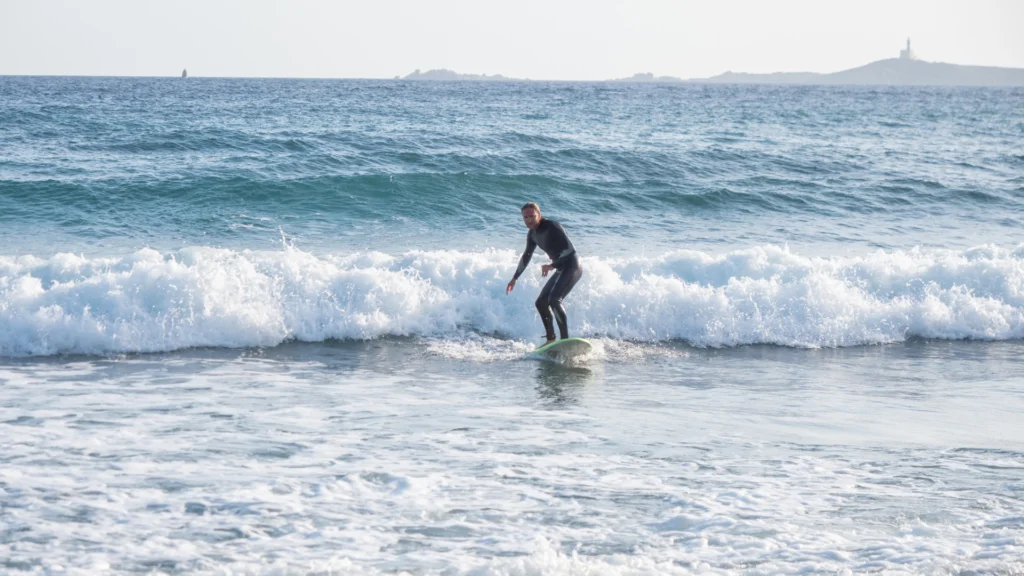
{"type": "Point", "coordinates": [531, 215]}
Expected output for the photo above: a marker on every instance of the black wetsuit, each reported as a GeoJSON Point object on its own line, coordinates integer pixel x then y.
{"type": "Point", "coordinates": [553, 240]}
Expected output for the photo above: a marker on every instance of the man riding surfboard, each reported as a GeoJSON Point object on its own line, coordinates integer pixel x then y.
{"type": "Point", "coordinates": [552, 239]}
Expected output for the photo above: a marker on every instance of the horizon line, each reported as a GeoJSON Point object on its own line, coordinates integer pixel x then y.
{"type": "Point", "coordinates": [480, 77]}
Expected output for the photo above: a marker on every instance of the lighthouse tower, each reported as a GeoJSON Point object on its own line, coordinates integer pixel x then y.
{"type": "Point", "coordinates": [908, 54]}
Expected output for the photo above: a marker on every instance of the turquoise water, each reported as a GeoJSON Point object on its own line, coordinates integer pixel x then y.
{"type": "Point", "coordinates": [260, 326]}
{"type": "Point", "coordinates": [106, 165]}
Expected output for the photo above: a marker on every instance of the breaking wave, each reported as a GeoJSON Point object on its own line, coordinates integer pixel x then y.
{"type": "Point", "coordinates": [150, 301]}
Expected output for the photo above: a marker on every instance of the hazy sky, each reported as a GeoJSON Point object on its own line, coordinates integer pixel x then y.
{"type": "Point", "coordinates": [550, 39]}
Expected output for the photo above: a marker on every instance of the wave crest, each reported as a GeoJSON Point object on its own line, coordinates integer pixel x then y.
{"type": "Point", "coordinates": [150, 301]}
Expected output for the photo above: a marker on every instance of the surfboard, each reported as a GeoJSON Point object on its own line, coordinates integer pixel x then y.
{"type": "Point", "coordinates": [566, 349]}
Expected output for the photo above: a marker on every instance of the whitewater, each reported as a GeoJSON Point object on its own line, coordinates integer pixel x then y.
{"type": "Point", "coordinates": [204, 297]}
{"type": "Point", "coordinates": [260, 327]}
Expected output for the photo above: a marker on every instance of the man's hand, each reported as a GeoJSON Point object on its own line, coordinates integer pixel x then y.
{"type": "Point", "coordinates": [545, 269]}
{"type": "Point", "coordinates": [511, 285]}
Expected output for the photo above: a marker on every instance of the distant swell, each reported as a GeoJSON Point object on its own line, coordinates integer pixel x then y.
{"type": "Point", "coordinates": [150, 302]}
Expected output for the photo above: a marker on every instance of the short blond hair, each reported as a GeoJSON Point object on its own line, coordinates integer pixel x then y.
{"type": "Point", "coordinates": [530, 205]}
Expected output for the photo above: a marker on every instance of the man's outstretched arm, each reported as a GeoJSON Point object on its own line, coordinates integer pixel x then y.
{"type": "Point", "coordinates": [524, 261]}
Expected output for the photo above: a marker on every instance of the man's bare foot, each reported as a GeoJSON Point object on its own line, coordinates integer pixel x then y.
{"type": "Point", "coordinates": [551, 340]}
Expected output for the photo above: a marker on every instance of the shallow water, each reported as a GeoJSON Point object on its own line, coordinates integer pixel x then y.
{"type": "Point", "coordinates": [390, 455]}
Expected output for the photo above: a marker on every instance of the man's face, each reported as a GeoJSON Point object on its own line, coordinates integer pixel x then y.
{"type": "Point", "coordinates": [531, 218]}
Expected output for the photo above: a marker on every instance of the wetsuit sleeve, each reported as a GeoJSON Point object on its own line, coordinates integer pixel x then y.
{"type": "Point", "coordinates": [567, 253]}
{"type": "Point", "coordinates": [527, 255]}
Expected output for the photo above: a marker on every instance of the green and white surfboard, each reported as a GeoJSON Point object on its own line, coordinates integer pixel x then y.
{"type": "Point", "coordinates": [566, 349]}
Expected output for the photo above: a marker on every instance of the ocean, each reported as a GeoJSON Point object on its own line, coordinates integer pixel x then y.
{"type": "Point", "coordinates": [259, 326]}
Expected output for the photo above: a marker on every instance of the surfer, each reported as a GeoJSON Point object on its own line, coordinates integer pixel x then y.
{"type": "Point", "coordinates": [552, 239]}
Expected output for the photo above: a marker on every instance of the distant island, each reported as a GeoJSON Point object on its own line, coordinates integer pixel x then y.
{"type": "Point", "coordinates": [907, 70]}
{"type": "Point", "coordinates": [451, 75]}
{"type": "Point", "coordinates": [648, 77]}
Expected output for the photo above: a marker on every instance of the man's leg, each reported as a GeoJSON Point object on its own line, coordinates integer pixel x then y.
{"type": "Point", "coordinates": [566, 280]}
{"type": "Point", "coordinates": [544, 308]}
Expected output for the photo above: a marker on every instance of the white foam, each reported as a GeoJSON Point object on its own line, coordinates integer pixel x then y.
{"type": "Point", "coordinates": [152, 301]}
{"type": "Point", "coordinates": [263, 466]}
